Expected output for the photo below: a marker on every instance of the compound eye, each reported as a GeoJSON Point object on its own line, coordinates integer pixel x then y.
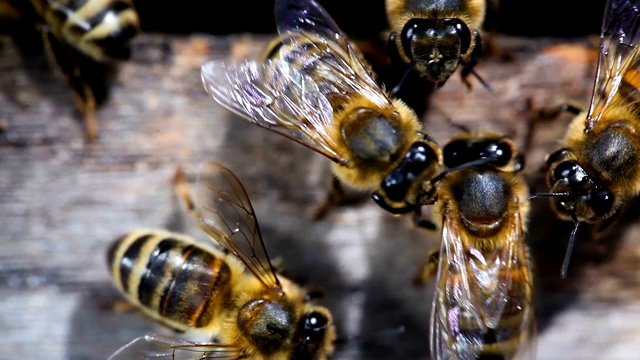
{"type": "Point", "coordinates": [454, 153]}
{"type": "Point", "coordinates": [565, 170]}
{"type": "Point", "coordinates": [556, 156]}
{"type": "Point", "coordinates": [463, 33]}
{"type": "Point", "coordinates": [409, 31]}
{"type": "Point", "coordinates": [316, 320]}
{"type": "Point", "coordinates": [503, 154]}
{"type": "Point", "coordinates": [601, 201]}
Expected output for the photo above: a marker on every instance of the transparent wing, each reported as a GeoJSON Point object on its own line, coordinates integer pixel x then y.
{"type": "Point", "coordinates": [155, 346]}
{"type": "Point", "coordinates": [451, 298]}
{"type": "Point", "coordinates": [264, 94]}
{"type": "Point", "coordinates": [482, 302]}
{"type": "Point", "coordinates": [618, 59]}
{"type": "Point", "coordinates": [297, 91]}
{"type": "Point", "coordinates": [222, 208]}
{"type": "Point", "coordinates": [307, 16]}
{"type": "Point", "coordinates": [307, 19]}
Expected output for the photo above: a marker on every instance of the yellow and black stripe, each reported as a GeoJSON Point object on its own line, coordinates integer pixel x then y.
{"type": "Point", "coordinates": [171, 276]}
{"type": "Point", "coordinates": [99, 29]}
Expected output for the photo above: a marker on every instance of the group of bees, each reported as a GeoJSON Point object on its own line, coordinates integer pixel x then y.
{"type": "Point", "coordinates": [313, 86]}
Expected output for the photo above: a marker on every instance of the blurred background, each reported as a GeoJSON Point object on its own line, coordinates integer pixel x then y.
{"type": "Point", "coordinates": [62, 201]}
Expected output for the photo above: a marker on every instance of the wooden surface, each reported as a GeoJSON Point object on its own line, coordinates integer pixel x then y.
{"type": "Point", "coordinates": [62, 203]}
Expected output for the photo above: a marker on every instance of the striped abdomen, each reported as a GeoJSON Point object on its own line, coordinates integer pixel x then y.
{"type": "Point", "coordinates": [170, 277]}
{"type": "Point", "coordinates": [100, 29]}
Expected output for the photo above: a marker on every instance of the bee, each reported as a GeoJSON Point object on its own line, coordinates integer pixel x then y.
{"type": "Point", "coordinates": [596, 171]}
{"type": "Point", "coordinates": [482, 305]}
{"type": "Point", "coordinates": [316, 90]}
{"type": "Point", "coordinates": [232, 293]}
{"type": "Point", "coordinates": [435, 37]}
{"type": "Point", "coordinates": [76, 31]}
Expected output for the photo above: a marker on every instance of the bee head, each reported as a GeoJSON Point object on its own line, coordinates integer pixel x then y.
{"type": "Point", "coordinates": [580, 195]}
{"type": "Point", "coordinates": [419, 163]}
{"type": "Point", "coordinates": [316, 334]}
{"type": "Point", "coordinates": [497, 152]}
{"type": "Point", "coordinates": [435, 46]}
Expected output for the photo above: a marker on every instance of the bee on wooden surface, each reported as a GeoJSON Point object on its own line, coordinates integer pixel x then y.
{"type": "Point", "coordinates": [315, 90]}
{"type": "Point", "coordinates": [76, 33]}
{"type": "Point", "coordinates": [597, 170]}
{"type": "Point", "coordinates": [483, 301]}
{"type": "Point", "coordinates": [435, 37]}
{"type": "Point", "coordinates": [230, 292]}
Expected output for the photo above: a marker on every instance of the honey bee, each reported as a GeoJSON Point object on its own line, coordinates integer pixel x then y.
{"type": "Point", "coordinates": [316, 90]}
{"type": "Point", "coordinates": [231, 292]}
{"type": "Point", "coordinates": [76, 31]}
{"type": "Point", "coordinates": [596, 171]}
{"type": "Point", "coordinates": [435, 37]}
{"type": "Point", "coordinates": [482, 306]}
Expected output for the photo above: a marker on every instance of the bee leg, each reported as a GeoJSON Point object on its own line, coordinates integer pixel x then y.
{"type": "Point", "coordinates": [553, 111]}
{"type": "Point", "coordinates": [467, 68]}
{"type": "Point", "coordinates": [120, 306]}
{"type": "Point", "coordinates": [537, 115]}
{"type": "Point", "coordinates": [336, 196]}
{"type": "Point", "coordinates": [428, 269]}
{"type": "Point", "coordinates": [62, 58]}
{"type": "Point", "coordinates": [422, 223]}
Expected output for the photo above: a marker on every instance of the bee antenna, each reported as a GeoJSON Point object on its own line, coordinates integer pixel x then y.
{"type": "Point", "coordinates": [540, 195]}
{"type": "Point", "coordinates": [462, 167]}
{"type": "Point", "coordinates": [572, 241]}
{"type": "Point", "coordinates": [382, 333]}
{"type": "Point", "coordinates": [396, 89]}
{"type": "Point", "coordinates": [482, 81]}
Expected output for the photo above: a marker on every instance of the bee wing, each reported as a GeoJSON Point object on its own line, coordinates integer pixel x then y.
{"type": "Point", "coordinates": [291, 94]}
{"type": "Point", "coordinates": [310, 20]}
{"type": "Point", "coordinates": [440, 335]}
{"type": "Point", "coordinates": [156, 346]}
{"type": "Point", "coordinates": [222, 208]}
{"type": "Point", "coordinates": [265, 94]}
{"type": "Point", "coordinates": [619, 40]}
{"type": "Point", "coordinates": [462, 310]}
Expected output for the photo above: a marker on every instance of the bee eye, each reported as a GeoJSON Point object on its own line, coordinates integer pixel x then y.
{"type": "Point", "coordinates": [556, 156]}
{"type": "Point", "coordinates": [565, 170]}
{"type": "Point", "coordinates": [601, 201]}
{"type": "Point", "coordinates": [315, 320]}
{"type": "Point", "coordinates": [410, 30]}
{"type": "Point", "coordinates": [463, 33]}
{"type": "Point", "coordinates": [503, 154]}
{"type": "Point", "coordinates": [453, 153]}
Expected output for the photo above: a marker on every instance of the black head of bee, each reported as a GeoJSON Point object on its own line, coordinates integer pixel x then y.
{"type": "Point", "coordinates": [312, 330]}
{"type": "Point", "coordinates": [586, 199]}
{"type": "Point", "coordinates": [434, 46]}
{"type": "Point", "coordinates": [396, 185]}
{"type": "Point", "coordinates": [495, 152]}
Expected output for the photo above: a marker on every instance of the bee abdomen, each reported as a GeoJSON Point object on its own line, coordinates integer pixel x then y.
{"type": "Point", "coordinates": [169, 276]}
{"type": "Point", "coordinates": [100, 29]}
